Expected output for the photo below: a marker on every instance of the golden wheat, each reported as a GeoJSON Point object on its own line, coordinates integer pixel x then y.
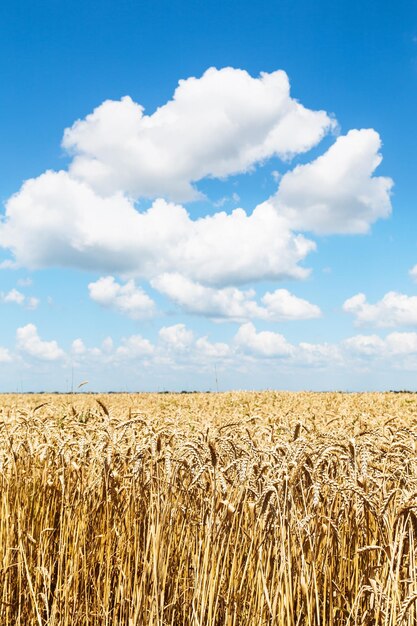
{"type": "Point", "coordinates": [235, 509]}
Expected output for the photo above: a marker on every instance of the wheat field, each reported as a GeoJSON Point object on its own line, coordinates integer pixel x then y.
{"type": "Point", "coordinates": [234, 509]}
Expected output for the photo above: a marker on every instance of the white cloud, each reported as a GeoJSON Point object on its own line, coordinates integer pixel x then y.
{"type": "Point", "coordinates": [29, 342]}
{"type": "Point", "coordinates": [220, 124]}
{"type": "Point", "coordinates": [232, 303]}
{"type": "Point", "coordinates": [104, 354]}
{"type": "Point", "coordinates": [57, 221]}
{"type": "Point", "coordinates": [234, 198]}
{"type": "Point", "coordinates": [179, 342]}
{"type": "Point", "coordinates": [270, 344]}
{"type": "Point", "coordinates": [413, 272]}
{"type": "Point", "coordinates": [264, 343]}
{"type": "Point", "coordinates": [78, 347]}
{"type": "Point", "coordinates": [24, 282]}
{"type": "Point", "coordinates": [107, 345]}
{"type": "Point", "coordinates": [396, 349]}
{"type": "Point", "coordinates": [32, 302]}
{"type": "Point", "coordinates": [323, 354]}
{"type": "Point", "coordinates": [16, 297]}
{"type": "Point", "coordinates": [216, 350]}
{"type": "Point", "coordinates": [134, 347]}
{"type": "Point", "coordinates": [394, 344]}
{"type": "Point", "coordinates": [128, 299]}
{"type": "Point", "coordinates": [402, 343]}
{"type": "Point", "coordinates": [192, 297]}
{"type": "Point", "coordinates": [394, 309]}
{"type": "Point", "coordinates": [176, 337]}
{"type": "Point", "coordinates": [282, 305]}
{"type": "Point", "coordinates": [367, 345]}
{"type": "Point", "coordinates": [337, 193]}
{"type": "Point", "coordinates": [5, 356]}
{"type": "Point", "coordinates": [177, 347]}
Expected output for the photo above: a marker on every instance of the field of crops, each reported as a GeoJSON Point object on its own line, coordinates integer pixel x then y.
{"type": "Point", "coordinates": [234, 509]}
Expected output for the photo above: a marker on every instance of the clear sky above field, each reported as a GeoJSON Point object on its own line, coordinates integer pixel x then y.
{"type": "Point", "coordinates": [208, 195]}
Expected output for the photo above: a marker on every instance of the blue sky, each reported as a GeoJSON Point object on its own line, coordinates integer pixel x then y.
{"type": "Point", "coordinates": [260, 223]}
